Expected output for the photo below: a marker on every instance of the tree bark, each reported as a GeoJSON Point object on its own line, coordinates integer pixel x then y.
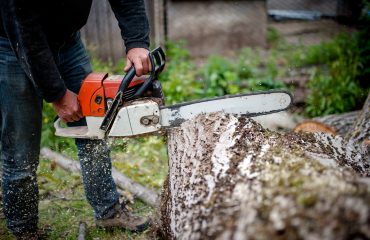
{"type": "Point", "coordinates": [359, 135]}
{"type": "Point", "coordinates": [146, 195]}
{"type": "Point", "coordinates": [231, 179]}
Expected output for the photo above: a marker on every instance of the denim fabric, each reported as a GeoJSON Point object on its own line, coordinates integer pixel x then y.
{"type": "Point", "coordinates": [20, 132]}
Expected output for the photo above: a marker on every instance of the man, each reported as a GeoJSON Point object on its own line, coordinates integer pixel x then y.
{"type": "Point", "coordinates": [42, 57]}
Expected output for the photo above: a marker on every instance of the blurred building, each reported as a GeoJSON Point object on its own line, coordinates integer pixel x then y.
{"type": "Point", "coordinates": [207, 26]}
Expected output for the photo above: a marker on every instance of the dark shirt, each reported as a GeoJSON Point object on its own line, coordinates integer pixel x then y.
{"type": "Point", "coordinates": [37, 27]}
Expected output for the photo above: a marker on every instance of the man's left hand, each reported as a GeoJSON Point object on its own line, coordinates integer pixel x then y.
{"type": "Point", "coordinates": [139, 57]}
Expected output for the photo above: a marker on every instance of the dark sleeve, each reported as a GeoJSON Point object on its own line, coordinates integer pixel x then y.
{"type": "Point", "coordinates": [133, 22]}
{"type": "Point", "coordinates": [30, 45]}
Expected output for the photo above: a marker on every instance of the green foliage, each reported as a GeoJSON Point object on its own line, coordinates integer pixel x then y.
{"type": "Point", "coordinates": [218, 77]}
{"type": "Point", "coordinates": [178, 79]}
{"type": "Point", "coordinates": [315, 54]}
{"type": "Point", "coordinates": [273, 37]}
{"type": "Point", "coordinates": [183, 81]}
{"type": "Point", "coordinates": [335, 88]}
{"type": "Point", "coordinates": [255, 84]}
{"type": "Point", "coordinates": [362, 38]}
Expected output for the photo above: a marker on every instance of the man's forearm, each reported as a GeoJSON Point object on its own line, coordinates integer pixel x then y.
{"type": "Point", "coordinates": [29, 43]}
{"type": "Point", "coordinates": [133, 22]}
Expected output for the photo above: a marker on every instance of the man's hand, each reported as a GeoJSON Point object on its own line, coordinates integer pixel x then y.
{"type": "Point", "coordinates": [68, 107]}
{"type": "Point", "coordinates": [139, 57]}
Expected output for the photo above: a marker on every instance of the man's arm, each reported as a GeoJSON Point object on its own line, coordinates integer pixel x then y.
{"type": "Point", "coordinates": [30, 45]}
{"type": "Point", "coordinates": [134, 26]}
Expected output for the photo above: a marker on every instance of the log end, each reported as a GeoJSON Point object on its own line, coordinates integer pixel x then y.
{"type": "Point", "coordinates": [313, 127]}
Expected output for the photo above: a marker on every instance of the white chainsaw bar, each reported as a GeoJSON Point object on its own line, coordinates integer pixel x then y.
{"type": "Point", "coordinates": [253, 104]}
{"type": "Point", "coordinates": [145, 116]}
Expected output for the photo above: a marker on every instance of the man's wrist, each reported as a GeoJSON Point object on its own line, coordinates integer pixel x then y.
{"type": "Point", "coordinates": [136, 45]}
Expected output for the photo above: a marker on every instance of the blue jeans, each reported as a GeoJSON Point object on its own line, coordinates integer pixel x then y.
{"type": "Point", "coordinates": [20, 133]}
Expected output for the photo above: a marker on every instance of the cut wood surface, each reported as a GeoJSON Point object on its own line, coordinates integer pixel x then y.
{"type": "Point", "coordinates": [122, 181]}
{"type": "Point", "coordinates": [340, 122]}
{"type": "Point", "coordinates": [229, 178]}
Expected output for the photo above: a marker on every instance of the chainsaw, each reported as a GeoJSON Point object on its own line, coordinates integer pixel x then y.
{"type": "Point", "coordinates": [128, 106]}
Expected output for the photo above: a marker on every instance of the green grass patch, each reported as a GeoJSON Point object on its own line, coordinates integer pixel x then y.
{"type": "Point", "coordinates": [63, 206]}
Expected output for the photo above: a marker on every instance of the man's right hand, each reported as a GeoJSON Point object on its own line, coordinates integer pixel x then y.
{"type": "Point", "coordinates": [68, 107]}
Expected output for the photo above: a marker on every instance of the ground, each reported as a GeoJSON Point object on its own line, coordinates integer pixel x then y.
{"type": "Point", "coordinates": [62, 201]}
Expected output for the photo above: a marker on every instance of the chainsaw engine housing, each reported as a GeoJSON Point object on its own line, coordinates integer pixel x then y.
{"type": "Point", "coordinates": [98, 90]}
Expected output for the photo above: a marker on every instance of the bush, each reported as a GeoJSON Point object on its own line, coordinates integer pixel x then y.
{"type": "Point", "coordinates": [335, 87]}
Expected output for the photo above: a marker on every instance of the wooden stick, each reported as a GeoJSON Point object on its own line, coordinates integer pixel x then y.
{"type": "Point", "coordinates": [82, 231]}
{"type": "Point", "coordinates": [147, 195]}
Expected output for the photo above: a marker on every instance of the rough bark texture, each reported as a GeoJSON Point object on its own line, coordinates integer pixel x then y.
{"type": "Point", "coordinates": [359, 135]}
{"type": "Point", "coordinates": [231, 179]}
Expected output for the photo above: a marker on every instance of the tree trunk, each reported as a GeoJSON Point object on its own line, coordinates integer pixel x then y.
{"type": "Point", "coordinates": [231, 179]}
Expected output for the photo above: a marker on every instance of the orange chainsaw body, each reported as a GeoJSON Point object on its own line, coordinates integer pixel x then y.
{"type": "Point", "coordinates": [97, 89]}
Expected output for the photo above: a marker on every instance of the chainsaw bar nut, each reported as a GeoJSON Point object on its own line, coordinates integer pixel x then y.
{"type": "Point", "coordinates": [149, 120]}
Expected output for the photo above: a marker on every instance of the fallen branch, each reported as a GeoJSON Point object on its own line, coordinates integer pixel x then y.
{"type": "Point", "coordinates": [147, 195]}
{"type": "Point", "coordinates": [82, 231]}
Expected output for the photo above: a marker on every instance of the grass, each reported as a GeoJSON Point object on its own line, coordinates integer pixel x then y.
{"type": "Point", "coordinates": [62, 200]}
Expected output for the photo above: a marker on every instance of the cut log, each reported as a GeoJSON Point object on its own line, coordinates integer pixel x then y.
{"type": "Point", "coordinates": [340, 122]}
{"type": "Point", "coordinates": [313, 127]}
{"type": "Point", "coordinates": [231, 179]}
{"type": "Point", "coordinates": [122, 181]}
